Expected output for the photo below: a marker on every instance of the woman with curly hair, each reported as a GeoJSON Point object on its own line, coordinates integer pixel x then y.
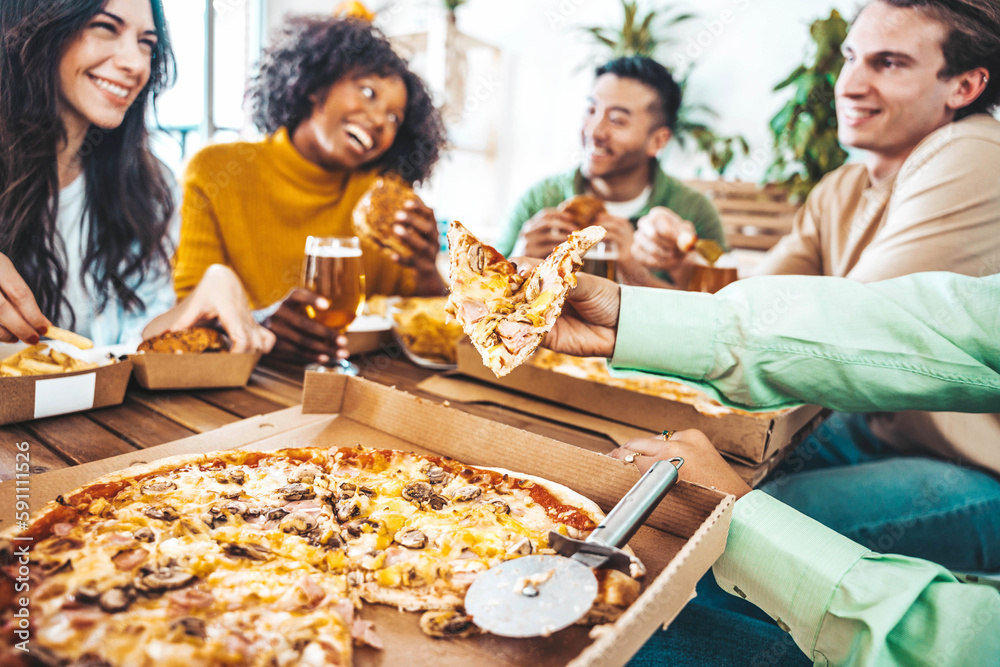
{"type": "Point", "coordinates": [85, 208]}
{"type": "Point", "coordinates": [340, 108]}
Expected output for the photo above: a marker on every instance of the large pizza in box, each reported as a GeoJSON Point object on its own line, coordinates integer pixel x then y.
{"type": "Point", "coordinates": [264, 558]}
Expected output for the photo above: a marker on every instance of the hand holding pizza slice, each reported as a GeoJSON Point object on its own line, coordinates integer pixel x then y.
{"type": "Point", "coordinates": [504, 314]}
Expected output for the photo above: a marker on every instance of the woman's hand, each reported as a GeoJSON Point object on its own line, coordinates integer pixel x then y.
{"type": "Point", "coordinates": [417, 228]}
{"type": "Point", "coordinates": [219, 297]}
{"type": "Point", "coordinates": [702, 462]}
{"type": "Point", "coordinates": [588, 325]}
{"type": "Point", "coordinates": [302, 340]}
{"type": "Point", "coordinates": [20, 318]}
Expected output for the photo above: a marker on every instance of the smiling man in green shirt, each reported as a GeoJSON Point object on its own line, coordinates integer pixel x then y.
{"type": "Point", "coordinates": [628, 121]}
{"type": "Point", "coordinates": [748, 347]}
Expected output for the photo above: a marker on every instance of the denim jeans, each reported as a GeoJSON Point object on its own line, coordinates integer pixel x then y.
{"type": "Point", "coordinates": [720, 630]}
{"type": "Point", "coordinates": [847, 479]}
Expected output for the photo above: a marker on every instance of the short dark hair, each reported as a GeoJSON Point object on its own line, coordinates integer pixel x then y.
{"type": "Point", "coordinates": [973, 41]}
{"type": "Point", "coordinates": [313, 53]}
{"type": "Point", "coordinates": [656, 76]}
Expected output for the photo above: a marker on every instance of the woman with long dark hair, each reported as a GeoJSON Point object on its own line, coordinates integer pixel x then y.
{"type": "Point", "coordinates": [85, 207]}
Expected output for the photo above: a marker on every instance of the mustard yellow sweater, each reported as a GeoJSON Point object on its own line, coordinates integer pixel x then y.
{"type": "Point", "coordinates": [252, 205]}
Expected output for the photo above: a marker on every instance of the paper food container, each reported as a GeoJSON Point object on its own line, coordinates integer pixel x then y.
{"type": "Point", "coordinates": [678, 544]}
{"type": "Point", "coordinates": [37, 396]}
{"type": "Point", "coordinates": [208, 370]}
{"type": "Point", "coordinates": [754, 439]}
{"type": "Point", "coordinates": [368, 333]}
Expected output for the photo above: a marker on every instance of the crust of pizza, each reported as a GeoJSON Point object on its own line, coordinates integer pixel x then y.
{"type": "Point", "coordinates": [507, 316]}
{"type": "Point", "coordinates": [261, 553]}
{"type": "Point", "coordinates": [584, 209]}
{"type": "Point", "coordinates": [375, 213]}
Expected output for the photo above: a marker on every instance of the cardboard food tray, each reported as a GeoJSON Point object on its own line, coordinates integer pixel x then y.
{"type": "Point", "coordinates": [37, 396]}
{"type": "Point", "coordinates": [679, 543]}
{"type": "Point", "coordinates": [753, 439]}
{"type": "Point", "coordinates": [210, 370]}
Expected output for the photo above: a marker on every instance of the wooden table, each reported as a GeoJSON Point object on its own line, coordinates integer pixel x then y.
{"type": "Point", "coordinates": [149, 418]}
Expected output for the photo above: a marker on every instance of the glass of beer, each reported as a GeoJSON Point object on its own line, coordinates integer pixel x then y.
{"type": "Point", "coordinates": [602, 260]}
{"type": "Point", "coordinates": [334, 270]}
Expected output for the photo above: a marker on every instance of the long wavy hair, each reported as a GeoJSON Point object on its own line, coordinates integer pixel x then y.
{"type": "Point", "coordinates": [128, 203]}
{"type": "Point", "coordinates": [312, 54]}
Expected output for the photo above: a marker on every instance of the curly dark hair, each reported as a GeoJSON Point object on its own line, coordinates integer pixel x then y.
{"type": "Point", "coordinates": [129, 203]}
{"type": "Point", "coordinates": [313, 53]}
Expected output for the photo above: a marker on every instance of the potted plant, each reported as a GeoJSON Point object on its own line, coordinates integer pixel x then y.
{"type": "Point", "coordinates": [805, 130]}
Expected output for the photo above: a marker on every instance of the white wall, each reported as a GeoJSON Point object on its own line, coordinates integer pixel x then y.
{"type": "Point", "coordinates": [741, 48]}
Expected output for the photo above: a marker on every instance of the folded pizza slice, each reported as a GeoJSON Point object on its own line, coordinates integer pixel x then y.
{"type": "Point", "coordinates": [505, 315]}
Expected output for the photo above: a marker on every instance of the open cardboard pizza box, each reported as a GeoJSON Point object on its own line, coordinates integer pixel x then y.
{"type": "Point", "coordinates": [680, 542]}
{"type": "Point", "coordinates": [754, 439]}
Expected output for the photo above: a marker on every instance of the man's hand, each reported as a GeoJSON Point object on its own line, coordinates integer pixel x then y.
{"type": "Point", "coordinates": [702, 462]}
{"type": "Point", "coordinates": [655, 242]}
{"type": "Point", "coordinates": [20, 318]}
{"type": "Point", "coordinates": [219, 297]}
{"type": "Point", "coordinates": [588, 324]}
{"type": "Point", "coordinates": [547, 229]}
{"type": "Point", "coordinates": [302, 340]}
{"type": "Point", "coordinates": [417, 228]}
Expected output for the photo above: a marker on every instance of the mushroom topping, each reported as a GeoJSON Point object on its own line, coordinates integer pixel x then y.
{"type": "Point", "coordinates": [348, 489]}
{"type": "Point", "coordinates": [437, 502]}
{"type": "Point", "coordinates": [304, 474]}
{"type": "Point", "coordinates": [222, 478]}
{"type": "Point", "coordinates": [164, 513]}
{"type": "Point", "coordinates": [417, 492]}
{"type": "Point", "coordinates": [144, 535]}
{"type": "Point", "coordinates": [447, 624]}
{"type": "Point", "coordinates": [477, 258]}
{"type": "Point", "coordinates": [238, 476]}
{"type": "Point", "coordinates": [356, 527]}
{"type": "Point", "coordinates": [411, 538]}
{"type": "Point", "coordinates": [436, 475]}
{"type": "Point", "coordinates": [346, 508]}
{"type": "Point", "coordinates": [275, 513]}
{"type": "Point", "coordinates": [53, 566]}
{"type": "Point", "coordinates": [466, 494]}
{"type": "Point", "coordinates": [88, 593]}
{"type": "Point", "coordinates": [190, 626]}
{"type": "Point", "coordinates": [60, 545]}
{"type": "Point", "coordinates": [159, 486]}
{"type": "Point", "coordinates": [159, 579]}
{"type": "Point", "coordinates": [330, 539]}
{"type": "Point", "coordinates": [247, 550]}
{"type": "Point", "coordinates": [299, 523]}
{"type": "Point", "coordinates": [296, 492]}
{"type": "Point", "coordinates": [214, 518]}
{"type": "Point", "coordinates": [499, 507]}
{"type": "Point", "coordinates": [116, 599]}
{"type": "Point", "coordinates": [521, 547]}
{"type": "Point", "coordinates": [235, 507]}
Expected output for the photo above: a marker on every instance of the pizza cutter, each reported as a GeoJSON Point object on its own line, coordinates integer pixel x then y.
{"type": "Point", "coordinates": [538, 595]}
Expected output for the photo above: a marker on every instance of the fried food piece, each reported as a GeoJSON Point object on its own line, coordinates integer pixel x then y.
{"type": "Point", "coordinates": [39, 360]}
{"type": "Point", "coordinates": [584, 209]}
{"type": "Point", "coordinates": [188, 341]}
{"type": "Point", "coordinates": [375, 214]}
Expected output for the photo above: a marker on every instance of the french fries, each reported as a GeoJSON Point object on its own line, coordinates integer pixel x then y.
{"type": "Point", "coordinates": [74, 339]}
{"type": "Point", "coordinates": [38, 360]}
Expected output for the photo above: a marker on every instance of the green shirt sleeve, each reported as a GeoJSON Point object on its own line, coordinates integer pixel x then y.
{"type": "Point", "coordinates": [845, 605]}
{"type": "Point", "coordinates": [918, 342]}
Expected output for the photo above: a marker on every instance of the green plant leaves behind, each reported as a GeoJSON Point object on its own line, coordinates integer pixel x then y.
{"type": "Point", "coordinates": [805, 129]}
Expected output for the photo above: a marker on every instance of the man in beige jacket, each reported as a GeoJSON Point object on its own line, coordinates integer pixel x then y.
{"type": "Point", "coordinates": [920, 80]}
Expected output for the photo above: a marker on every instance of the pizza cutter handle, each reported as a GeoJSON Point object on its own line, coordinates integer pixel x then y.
{"type": "Point", "coordinates": [624, 520]}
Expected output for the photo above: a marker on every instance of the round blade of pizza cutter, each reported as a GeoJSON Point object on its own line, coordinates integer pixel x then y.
{"type": "Point", "coordinates": [531, 596]}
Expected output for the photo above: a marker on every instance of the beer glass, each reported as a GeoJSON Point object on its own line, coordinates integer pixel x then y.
{"type": "Point", "coordinates": [334, 270]}
{"type": "Point", "coordinates": [602, 260]}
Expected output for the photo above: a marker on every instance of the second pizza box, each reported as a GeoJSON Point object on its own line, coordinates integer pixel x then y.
{"type": "Point", "coordinates": [678, 545]}
{"type": "Point", "coordinates": [753, 438]}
